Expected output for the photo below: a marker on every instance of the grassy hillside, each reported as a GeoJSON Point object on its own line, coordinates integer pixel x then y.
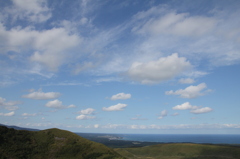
{"type": "Point", "coordinates": [51, 143]}
{"type": "Point", "coordinates": [181, 151]}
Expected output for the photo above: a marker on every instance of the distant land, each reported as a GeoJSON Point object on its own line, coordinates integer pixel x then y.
{"type": "Point", "coordinates": [19, 128]}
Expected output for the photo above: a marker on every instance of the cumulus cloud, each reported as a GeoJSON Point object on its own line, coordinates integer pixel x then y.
{"type": "Point", "coordinates": [41, 95]}
{"type": "Point", "coordinates": [120, 96]}
{"type": "Point", "coordinates": [57, 104]}
{"type": "Point", "coordinates": [163, 69]}
{"type": "Point", "coordinates": [163, 114]}
{"type": "Point", "coordinates": [193, 109]}
{"type": "Point", "coordinates": [118, 107]}
{"type": "Point", "coordinates": [184, 106]}
{"type": "Point", "coordinates": [87, 111]}
{"type": "Point", "coordinates": [49, 45]}
{"type": "Point", "coordinates": [190, 92]}
{"type": "Point", "coordinates": [201, 110]}
{"type": "Point", "coordinates": [186, 81]}
{"type": "Point", "coordinates": [84, 117]}
{"type": "Point", "coordinates": [7, 114]}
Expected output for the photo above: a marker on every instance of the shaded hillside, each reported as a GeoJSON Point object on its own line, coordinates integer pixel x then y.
{"type": "Point", "coordinates": [51, 143]}
{"type": "Point", "coordinates": [181, 151]}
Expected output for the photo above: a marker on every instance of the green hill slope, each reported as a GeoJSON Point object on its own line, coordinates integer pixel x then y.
{"type": "Point", "coordinates": [51, 143]}
{"type": "Point", "coordinates": [181, 151]}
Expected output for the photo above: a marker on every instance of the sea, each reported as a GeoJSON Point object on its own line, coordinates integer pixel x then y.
{"type": "Point", "coordinates": [184, 138]}
{"type": "Point", "coordinates": [168, 138]}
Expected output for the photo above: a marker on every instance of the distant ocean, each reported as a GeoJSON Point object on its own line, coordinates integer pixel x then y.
{"type": "Point", "coordinates": [192, 138]}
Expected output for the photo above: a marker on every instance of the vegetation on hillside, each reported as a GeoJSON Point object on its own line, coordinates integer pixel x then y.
{"type": "Point", "coordinates": [61, 144]}
{"type": "Point", "coordinates": [51, 143]}
{"type": "Point", "coordinates": [181, 151]}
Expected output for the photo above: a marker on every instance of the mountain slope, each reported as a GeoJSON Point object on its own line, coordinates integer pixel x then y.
{"type": "Point", "coordinates": [50, 143]}
{"type": "Point", "coordinates": [181, 151]}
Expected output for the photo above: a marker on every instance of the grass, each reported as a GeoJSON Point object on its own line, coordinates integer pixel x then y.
{"type": "Point", "coordinates": [181, 151]}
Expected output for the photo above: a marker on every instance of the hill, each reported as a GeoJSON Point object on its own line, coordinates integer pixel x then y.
{"type": "Point", "coordinates": [181, 151]}
{"type": "Point", "coordinates": [50, 143]}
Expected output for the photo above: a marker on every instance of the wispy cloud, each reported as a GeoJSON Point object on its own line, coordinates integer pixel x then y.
{"type": "Point", "coordinates": [7, 114]}
{"type": "Point", "coordinates": [11, 105]}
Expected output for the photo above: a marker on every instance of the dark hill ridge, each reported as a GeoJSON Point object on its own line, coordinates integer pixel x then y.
{"type": "Point", "coordinates": [50, 143]}
{"type": "Point", "coordinates": [19, 128]}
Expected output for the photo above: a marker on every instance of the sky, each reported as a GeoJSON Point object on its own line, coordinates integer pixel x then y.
{"type": "Point", "coordinates": [121, 66]}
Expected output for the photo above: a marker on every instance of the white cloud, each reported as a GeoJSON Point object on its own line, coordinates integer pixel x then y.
{"type": "Point", "coordinates": [82, 67]}
{"type": "Point", "coordinates": [186, 81]}
{"type": "Point", "coordinates": [11, 105]}
{"type": "Point", "coordinates": [42, 95]}
{"type": "Point", "coordinates": [198, 37]}
{"type": "Point", "coordinates": [58, 104]}
{"type": "Point", "coordinates": [71, 106]}
{"type": "Point", "coordinates": [84, 117]}
{"type": "Point", "coordinates": [49, 46]}
{"type": "Point", "coordinates": [55, 104]}
{"type": "Point", "coordinates": [3, 103]}
{"type": "Point", "coordinates": [138, 117]}
{"type": "Point", "coordinates": [193, 109]}
{"type": "Point", "coordinates": [158, 20]}
{"type": "Point", "coordinates": [163, 114]}
{"type": "Point", "coordinates": [31, 10]}
{"type": "Point", "coordinates": [26, 114]}
{"type": "Point", "coordinates": [120, 96]}
{"type": "Point", "coordinates": [171, 127]}
{"type": "Point", "coordinates": [96, 126]}
{"type": "Point", "coordinates": [87, 111]}
{"type": "Point", "coordinates": [175, 114]}
{"type": "Point", "coordinates": [118, 107]}
{"type": "Point", "coordinates": [190, 92]}
{"type": "Point", "coordinates": [185, 106]}
{"type": "Point", "coordinates": [157, 71]}
{"type": "Point", "coordinates": [201, 110]}
{"type": "Point", "coordinates": [7, 114]}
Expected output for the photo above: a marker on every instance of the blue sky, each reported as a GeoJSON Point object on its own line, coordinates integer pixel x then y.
{"type": "Point", "coordinates": [120, 66]}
